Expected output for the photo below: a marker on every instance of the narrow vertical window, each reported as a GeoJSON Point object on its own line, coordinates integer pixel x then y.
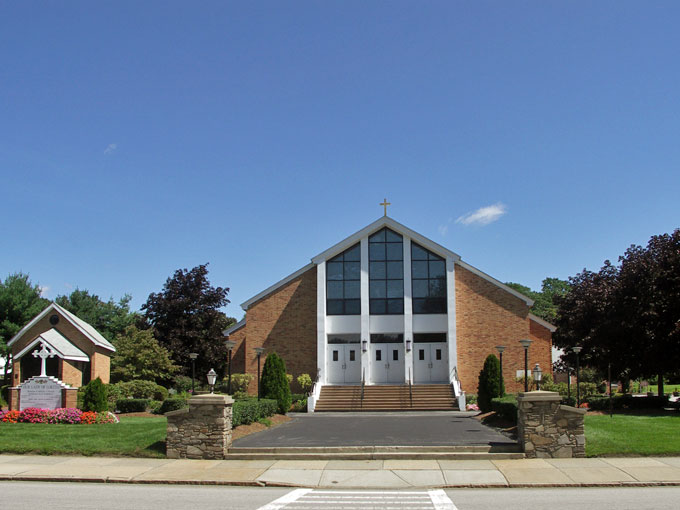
{"type": "Point", "coordinates": [386, 273]}
{"type": "Point", "coordinates": [343, 275]}
{"type": "Point", "coordinates": [428, 281]}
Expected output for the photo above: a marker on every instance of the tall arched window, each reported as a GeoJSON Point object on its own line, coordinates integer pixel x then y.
{"type": "Point", "coordinates": [343, 283]}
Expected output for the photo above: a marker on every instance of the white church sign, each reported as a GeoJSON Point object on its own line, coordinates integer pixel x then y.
{"type": "Point", "coordinates": [41, 392]}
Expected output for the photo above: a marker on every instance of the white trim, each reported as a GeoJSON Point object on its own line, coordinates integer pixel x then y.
{"type": "Point", "coordinates": [321, 323]}
{"type": "Point", "coordinates": [78, 323]}
{"type": "Point", "coordinates": [278, 284]}
{"type": "Point", "coordinates": [542, 322]}
{"type": "Point", "coordinates": [384, 221]}
{"type": "Point", "coordinates": [409, 367]}
{"type": "Point", "coordinates": [365, 313]}
{"type": "Point", "coordinates": [491, 279]}
{"type": "Point", "coordinates": [235, 327]}
{"type": "Point", "coordinates": [58, 352]}
{"type": "Point", "coordinates": [451, 338]}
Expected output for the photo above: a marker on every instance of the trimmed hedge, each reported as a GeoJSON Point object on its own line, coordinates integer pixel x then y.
{"type": "Point", "coordinates": [172, 404]}
{"type": "Point", "coordinates": [132, 405]}
{"type": "Point", "coordinates": [505, 407]}
{"type": "Point", "coordinates": [246, 412]}
{"type": "Point", "coordinates": [627, 402]}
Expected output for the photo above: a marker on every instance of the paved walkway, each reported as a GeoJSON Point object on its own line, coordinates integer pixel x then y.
{"type": "Point", "coordinates": [377, 429]}
{"type": "Point", "coordinates": [368, 474]}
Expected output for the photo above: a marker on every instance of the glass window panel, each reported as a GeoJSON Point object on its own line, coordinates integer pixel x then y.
{"type": "Point", "coordinates": [437, 269]}
{"type": "Point", "coordinates": [392, 237]}
{"type": "Point", "coordinates": [352, 306]}
{"type": "Point", "coordinates": [337, 258]}
{"type": "Point", "coordinates": [334, 290]}
{"type": "Point", "coordinates": [378, 355]}
{"type": "Point", "coordinates": [395, 306]}
{"type": "Point", "coordinates": [395, 355]}
{"type": "Point", "coordinates": [376, 251]}
{"type": "Point", "coordinates": [352, 270]}
{"type": "Point", "coordinates": [419, 288]}
{"type": "Point", "coordinates": [429, 337]}
{"type": "Point", "coordinates": [395, 270]}
{"type": "Point", "coordinates": [434, 256]}
{"type": "Point", "coordinates": [335, 355]}
{"type": "Point", "coordinates": [352, 355]}
{"type": "Point", "coordinates": [435, 305]}
{"type": "Point", "coordinates": [378, 237]}
{"type": "Point", "coordinates": [419, 269]}
{"type": "Point", "coordinates": [378, 289]}
{"type": "Point", "coordinates": [437, 288]}
{"type": "Point", "coordinates": [421, 354]}
{"type": "Point", "coordinates": [334, 307]}
{"type": "Point", "coordinates": [439, 354]}
{"type": "Point", "coordinates": [419, 306]}
{"type": "Point", "coordinates": [354, 253]}
{"type": "Point", "coordinates": [418, 253]}
{"type": "Point", "coordinates": [352, 289]}
{"type": "Point", "coordinates": [334, 271]}
{"type": "Point", "coordinates": [377, 270]}
{"type": "Point", "coordinates": [378, 307]}
{"type": "Point", "coordinates": [395, 251]}
{"type": "Point", "coordinates": [395, 288]}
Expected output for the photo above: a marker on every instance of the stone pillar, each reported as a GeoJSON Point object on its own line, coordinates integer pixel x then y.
{"type": "Point", "coordinates": [547, 429]}
{"type": "Point", "coordinates": [203, 431]}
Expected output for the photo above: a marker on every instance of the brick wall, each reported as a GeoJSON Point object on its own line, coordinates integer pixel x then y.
{"type": "Point", "coordinates": [486, 316]}
{"type": "Point", "coordinates": [100, 365]}
{"type": "Point", "coordinates": [238, 354]}
{"type": "Point", "coordinates": [70, 374]}
{"type": "Point", "coordinates": [284, 322]}
{"type": "Point", "coordinates": [541, 349]}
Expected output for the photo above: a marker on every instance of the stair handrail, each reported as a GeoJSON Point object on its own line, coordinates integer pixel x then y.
{"type": "Point", "coordinates": [457, 388]}
{"type": "Point", "coordinates": [363, 383]}
{"type": "Point", "coordinates": [410, 391]}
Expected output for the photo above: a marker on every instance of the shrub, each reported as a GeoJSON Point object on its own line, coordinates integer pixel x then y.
{"type": "Point", "coordinates": [299, 406]}
{"type": "Point", "coordinates": [275, 383]}
{"type": "Point", "coordinates": [627, 402]}
{"type": "Point", "coordinates": [142, 389]}
{"type": "Point", "coordinates": [132, 405]}
{"type": "Point", "coordinates": [505, 407]}
{"type": "Point", "coordinates": [240, 395]}
{"type": "Point", "coordinates": [470, 398]}
{"type": "Point", "coordinates": [248, 411]}
{"type": "Point", "coordinates": [182, 383]}
{"type": "Point", "coordinates": [305, 383]}
{"type": "Point", "coordinates": [240, 382]}
{"type": "Point", "coordinates": [94, 397]}
{"type": "Point", "coordinates": [172, 404]}
{"type": "Point", "coordinates": [489, 383]}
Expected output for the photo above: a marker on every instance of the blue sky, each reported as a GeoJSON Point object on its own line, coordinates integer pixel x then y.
{"type": "Point", "coordinates": [142, 137]}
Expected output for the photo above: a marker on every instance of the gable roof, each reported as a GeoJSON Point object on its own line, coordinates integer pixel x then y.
{"type": "Point", "coordinates": [234, 327]}
{"type": "Point", "coordinates": [57, 343]}
{"type": "Point", "coordinates": [90, 333]}
{"type": "Point", "coordinates": [384, 221]}
{"type": "Point", "coordinates": [542, 322]}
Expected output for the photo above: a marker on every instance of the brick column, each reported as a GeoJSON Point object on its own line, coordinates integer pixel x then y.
{"type": "Point", "coordinates": [203, 431]}
{"type": "Point", "coordinates": [13, 399]}
{"type": "Point", "coordinates": [547, 429]}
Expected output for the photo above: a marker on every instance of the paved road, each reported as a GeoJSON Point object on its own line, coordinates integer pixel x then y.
{"type": "Point", "coordinates": [84, 496]}
{"type": "Point", "coordinates": [384, 429]}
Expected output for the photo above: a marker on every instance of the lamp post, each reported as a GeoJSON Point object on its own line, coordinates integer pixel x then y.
{"type": "Point", "coordinates": [526, 343]}
{"type": "Point", "coordinates": [212, 376]}
{"type": "Point", "coordinates": [230, 344]}
{"type": "Point", "coordinates": [578, 377]}
{"type": "Point", "coordinates": [193, 357]}
{"type": "Point", "coordinates": [537, 373]}
{"type": "Point", "coordinates": [568, 383]}
{"type": "Point", "coordinates": [500, 349]}
{"type": "Point", "coordinates": [258, 351]}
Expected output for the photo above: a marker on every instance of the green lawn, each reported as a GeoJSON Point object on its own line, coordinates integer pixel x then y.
{"type": "Point", "coordinates": [625, 434]}
{"type": "Point", "coordinates": [135, 437]}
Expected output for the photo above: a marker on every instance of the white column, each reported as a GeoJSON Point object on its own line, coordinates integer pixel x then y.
{"type": "Point", "coordinates": [365, 314]}
{"type": "Point", "coordinates": [408, 311]}
{"type": "Point", "coordinates": [451, 314]}
{"type": "Point", "coordinates": [321, 320]}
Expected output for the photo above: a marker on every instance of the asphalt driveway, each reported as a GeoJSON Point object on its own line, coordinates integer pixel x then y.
{"type": "Point", "coordinates": [377, 429]}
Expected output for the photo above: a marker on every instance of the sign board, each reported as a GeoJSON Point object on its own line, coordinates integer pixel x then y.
{"type": "Point", "coordinates": [41, 392]}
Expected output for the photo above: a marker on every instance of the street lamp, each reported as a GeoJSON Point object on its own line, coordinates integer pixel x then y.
{"type": "Point", "coordinates": [537, 373]}
{"type": "Point", "coordinates": [230, 344]}
{"type": "Point", "coordinates": [500, 349]}
{"type": "Point", "coordinates": [258, 351]}
{"type": "Point", "coordinates": [193, 357]}
{"type": "Point", "coordinates": [578, 377]}
{"type": "Point", "coordinates": [212, 376]}
{"type": "Point", "coordinates": [526, 343]}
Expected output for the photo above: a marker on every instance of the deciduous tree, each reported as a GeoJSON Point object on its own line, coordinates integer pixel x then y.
{"type": "Point", "coordinates": [139, 356]}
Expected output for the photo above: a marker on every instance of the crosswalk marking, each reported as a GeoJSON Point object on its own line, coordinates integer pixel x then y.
{"type": "Point", "coordinates": [305, 499]}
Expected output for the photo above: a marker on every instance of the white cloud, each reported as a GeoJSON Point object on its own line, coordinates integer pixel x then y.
{"type": "Point", "coordinates": [483, 215]}
{"type": "Point", "coordinates": [44, 290]}
{"type": "Point", "coordinates": [443, 229]}
{"type": "Point", "coordinates": [111, 148]}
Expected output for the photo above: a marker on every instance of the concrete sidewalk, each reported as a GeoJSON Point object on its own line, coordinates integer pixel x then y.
{"type": "Point", "coordinates": [364, 474]}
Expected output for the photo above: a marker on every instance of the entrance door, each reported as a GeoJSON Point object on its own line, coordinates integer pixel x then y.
{"type": "Point", "coordinates": [387, 363]}
{"type": "Point", "coordinates": [430, 363]}
{"type": "Point", "coordinates": [344, 364]}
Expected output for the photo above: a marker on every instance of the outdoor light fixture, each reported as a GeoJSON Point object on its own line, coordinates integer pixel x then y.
{"type": "Point", "coordinates": [364, 345]}
{"type": "Point", "coordinates": [576, 350]}
{"type": "Point", "coordinates": [192, 357]}
{"type": "Point", "coordinates": [229, 344]}
{"type": "Point", "coordinates": [500, 349]}
{"type": "Point", "coordinates": [526, 343]}
{"type": "Point", "coordinates": [259, 351]}
{"type": "Point", "coordinates": [537, 373]}
{"type": "Point", "coordinates": [408, 345]}
{"type": "Point", "coordinates": [212, 377]}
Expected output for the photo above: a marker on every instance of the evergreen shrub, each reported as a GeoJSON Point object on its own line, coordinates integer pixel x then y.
{"type": "Point", "coordinates": [172, 404]}
{"type": "Point", "coordinates": [489, 386]}
{"type": "Point", "coordinates": [248, 411]}
{"type": "Point", "coordinates": [132, 405]}
{"type": "Point", "coordinates": [275, 383]}
{"type": "Point", "coordinates": [505, 407]}
{"type": "Point", "coordinates": [94, 397]}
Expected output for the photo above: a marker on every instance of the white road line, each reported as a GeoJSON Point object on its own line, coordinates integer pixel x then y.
{"type": "Point", "coordinates": [285, 499]}
{"type": "Point", "coordinates": [441, 501]}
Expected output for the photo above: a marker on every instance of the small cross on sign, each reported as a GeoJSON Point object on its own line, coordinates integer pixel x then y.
{"type": "Point", "coordinates": [43, 354]}
{"type": "Point", "coordinates": [385, 204]}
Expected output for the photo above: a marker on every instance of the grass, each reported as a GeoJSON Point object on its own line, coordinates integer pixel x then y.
{"type": "Point", "coordinates": [632, 435]}
{"type": "Point", "coordinates": [132, 437]}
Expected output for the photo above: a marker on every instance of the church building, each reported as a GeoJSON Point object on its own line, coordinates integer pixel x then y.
{"type": "Point", "coordinates": [387, 306]}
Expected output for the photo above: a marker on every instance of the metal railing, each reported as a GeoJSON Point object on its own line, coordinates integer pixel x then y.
{"type": "Point", "coordinates": [410, 387]}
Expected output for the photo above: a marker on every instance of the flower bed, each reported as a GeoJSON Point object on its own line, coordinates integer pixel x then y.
{"type": "Point", "coordinates": [65, 415]}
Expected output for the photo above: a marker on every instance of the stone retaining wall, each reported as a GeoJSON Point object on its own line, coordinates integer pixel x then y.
{"type": "Point", "coordinates": [547, 429]}
{"type": "Point", "coordinates": [203, 431]}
